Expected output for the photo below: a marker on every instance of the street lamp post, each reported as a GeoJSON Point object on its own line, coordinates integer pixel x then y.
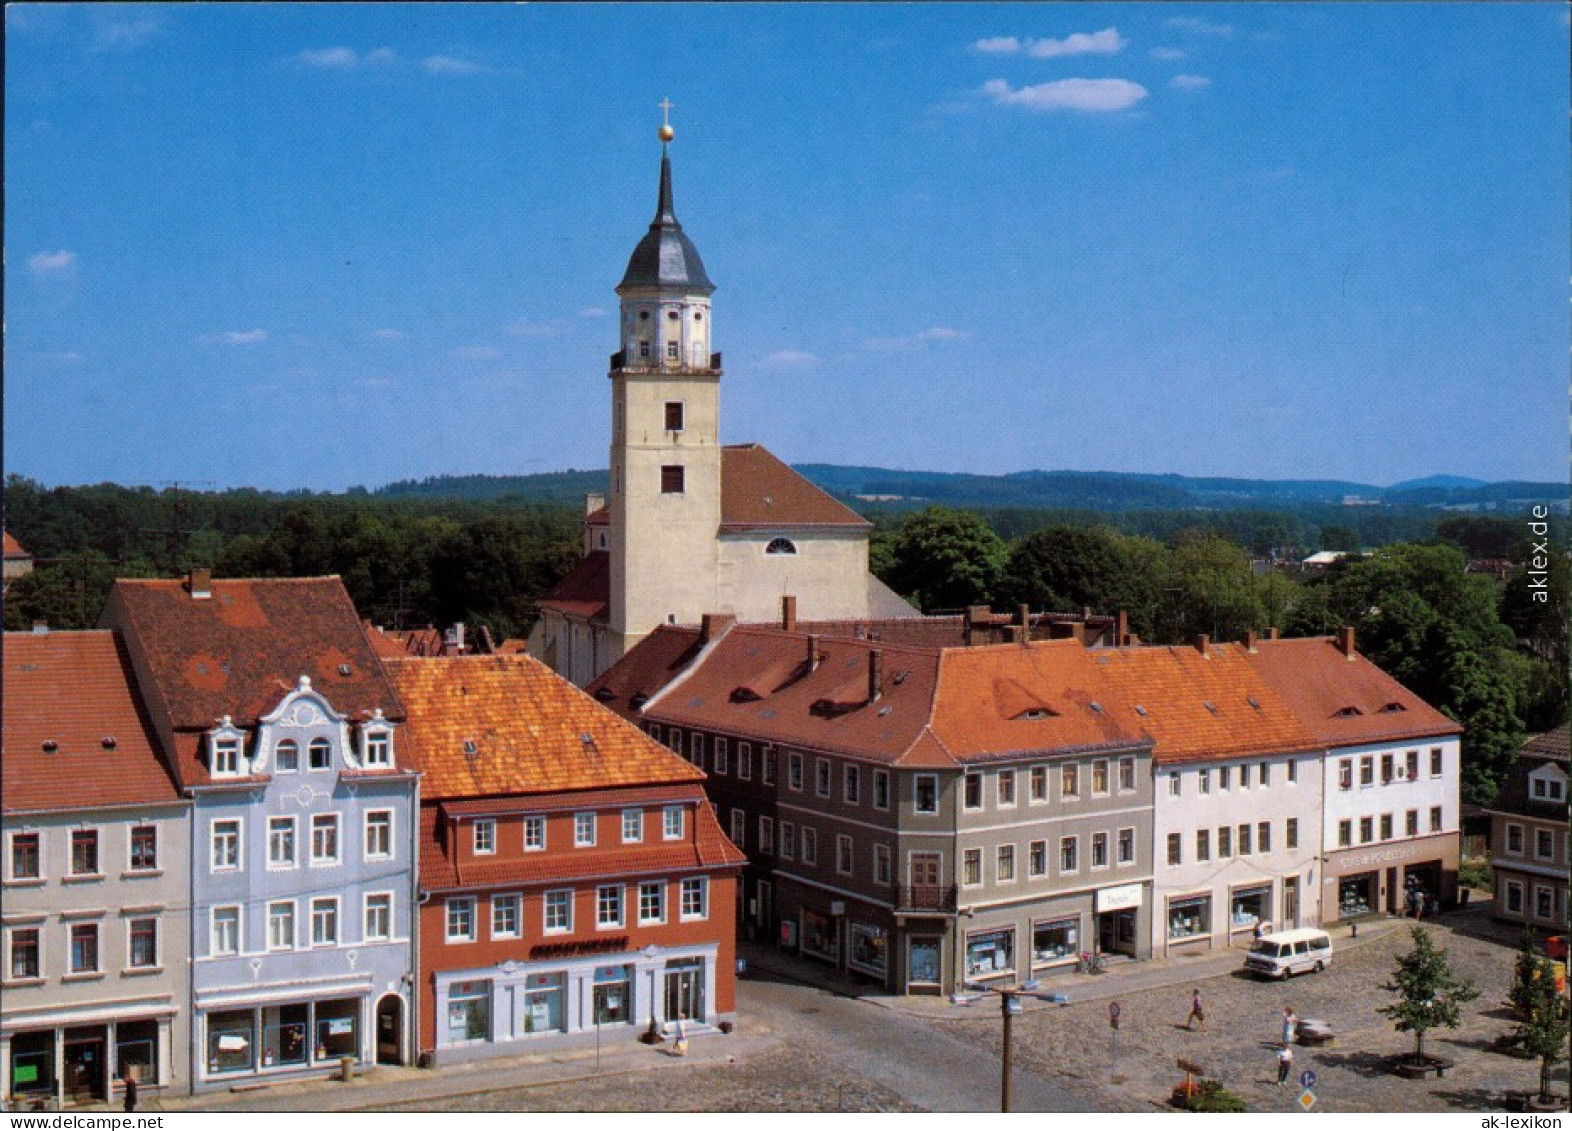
{"type": "Point", "coordinates": [1009, 1009]}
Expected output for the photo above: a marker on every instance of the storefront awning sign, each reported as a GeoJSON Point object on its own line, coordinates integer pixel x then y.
{"type": "Point", "coordinates": [1119, 898]}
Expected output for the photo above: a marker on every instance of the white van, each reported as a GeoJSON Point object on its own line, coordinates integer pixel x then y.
{"type": "Point", "coordinates": [1290, 952]}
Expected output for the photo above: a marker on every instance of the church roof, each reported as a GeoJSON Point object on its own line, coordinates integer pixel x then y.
{"type": "Point", "coordinates": [586, 591]}
{"type": "Point", "coordinates": [758, 490]}
{"type": "Point", "coordinates": [666, 257]}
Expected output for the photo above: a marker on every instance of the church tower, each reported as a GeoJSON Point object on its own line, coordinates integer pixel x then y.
{"type": "Point", "coordinates": [665, 501]}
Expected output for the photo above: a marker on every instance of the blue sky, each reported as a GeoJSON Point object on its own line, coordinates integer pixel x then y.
{"type": "Point", "coordinates": [317, 246]}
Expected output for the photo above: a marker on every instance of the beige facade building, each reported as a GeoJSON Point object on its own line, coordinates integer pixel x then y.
{"type": "Point", "coordinates": [691, 526]}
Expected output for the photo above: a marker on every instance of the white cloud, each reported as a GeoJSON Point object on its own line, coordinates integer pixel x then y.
{"type": "Point", "coordinates": [388, 335]}
{"type": "Point", "coordinates": [593, 312]}
{"type": "Point", "coordinates": [1087, 95]}
{"type": "Point", "coordinates": [525, 328]}
{"type": "Point", "coordinates": [474, 353]}
{"type": "Point", "coordinates": [1105, 42]}
{"type": "Point", "coordinates": [381, 57]}
{"type": "Point", "coordinates": [941, 334]}
{"type": "Point", "coordinates": [333, 58]}
{"type": "Point", "coordinates": [1198, 27]}
{"type": "Point", "coordinates": [122, 34]}
{"type": "Point", "coordinates": [235, 337]}
{"type": "Point", "coordinates": [1166, 54]}
{"type": "Point", "coordinates": [998, 45]}
{"type": "Point", "coordinates": [1189, 82]}
{"type": "Point", "coordinates": [790, 359]}
{"type": "Point", "coordinates": [448, 65]}
{"type": "Point", "coordinates": [51, 262]}
{"type": "Point", "coordinates": [913, 341]}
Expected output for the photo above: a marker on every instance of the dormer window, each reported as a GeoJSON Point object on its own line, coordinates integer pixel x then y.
{"type": "Point", "coordinates": [378, 749]}
{"type": "Point", "coordinates": [225, 749]}
{"type": "Point", "coordinates": [376, 742]}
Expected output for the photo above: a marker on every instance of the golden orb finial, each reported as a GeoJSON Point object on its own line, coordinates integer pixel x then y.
{"type": "Point", "coordinates": [666, 132]}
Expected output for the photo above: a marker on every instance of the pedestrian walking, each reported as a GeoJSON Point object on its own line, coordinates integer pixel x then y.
{"type": "Point", "coordinates": [680, 1045]}
{"type": "Point", "coordinates": [130, 1082]}
{"type": "Point", "coordinates": [1290, 1025]}
{"type": "Point", "coordinates": [1196, 1012]}
{"type": "Point", "coordinates": [1285, 1064]}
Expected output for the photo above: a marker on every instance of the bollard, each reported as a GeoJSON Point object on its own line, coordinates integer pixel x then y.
{"type": "Point", "coordinates": [346, 1069]}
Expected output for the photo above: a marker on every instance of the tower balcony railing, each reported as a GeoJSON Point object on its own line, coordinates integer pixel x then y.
{"type": "Point", "coordinates": [621, 364]}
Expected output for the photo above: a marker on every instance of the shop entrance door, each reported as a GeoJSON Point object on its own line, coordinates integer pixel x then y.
{"type": "Point", "coordinates": [84, 1068]}
{"type": "Point", "coordinates": [390, 1011]}
{"type": "Point", "coordinates": [685, 993]}
{"type": "Point", "coordinates": [1116, 932]}
{"type": "Point", "coordinates": [1291, 902]}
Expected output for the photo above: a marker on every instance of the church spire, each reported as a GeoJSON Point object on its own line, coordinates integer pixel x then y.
{"type": "Point", "coordinates": [666, 258]}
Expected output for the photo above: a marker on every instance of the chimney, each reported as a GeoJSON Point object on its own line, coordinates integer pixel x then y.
{"type": "Point", "coordinates": [1122, 629]}
{"type": "Point", "coordinates": [711, 625]}
{"type": "Point", "coordinates": [875, 673]}
{"type": "Point", "coordinates": [593, 503]}
{"type": "Point", "coordinates": [1026, 624]}
{"type": "Point", "coordinates": [1345, 641]}
{"type": "Point", "coordinates": [201, 584]}
{"type": "Point", "coordinates": [1249, 641]}
{"type": "Point", "coordinates": [813, 651]}
{"type": "Point", "coordinates": [788, 613]}
{"type": "Point", "coordinates": [1203, 644]}
{"type": "Point", "coordinates": [1272, 634]}
{"type": "Point", "coordinates": [40, 628]}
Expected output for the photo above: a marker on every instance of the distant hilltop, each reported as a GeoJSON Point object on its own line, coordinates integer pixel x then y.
{"type": "Point", "coordinates": [1078, 490]}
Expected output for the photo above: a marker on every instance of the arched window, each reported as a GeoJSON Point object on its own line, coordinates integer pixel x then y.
{"type": "Point", "coordinates": [287, 757]}
{"type": "Point", "coordinates": [320, 754]}
{"type": "Point", "coordinates": [781, 546]}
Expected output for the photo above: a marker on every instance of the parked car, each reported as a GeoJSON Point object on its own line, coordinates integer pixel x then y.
{"type": "Point", "coordinates": [1286, 953]}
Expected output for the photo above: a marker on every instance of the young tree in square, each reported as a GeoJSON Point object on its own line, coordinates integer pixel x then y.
{"type": "Point", "coordinates": [1545, 1023]}
{"type": "Point", "coordinates": [1429, 994]}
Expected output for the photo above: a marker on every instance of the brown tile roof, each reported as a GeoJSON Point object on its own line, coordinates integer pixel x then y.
{"type": "Point", "coordinates": [1555, 744]}
{"type": "Point", "coordinates": [75, 689]}
{"type": "Point", "coordinates": [1006, 700]}
{"type": "Point", "coordinates": [241, 650]}
{"type": "Point", "coordinates": [1515, 796]}
{"type": "Point", "coordinates": [586, 591]}
{"type": "Point", "coordinates": [758, 490]}
{"type": "Point", "coordinates": [531, 731]}
{"type": "Point", "coordinates": [1344, 701]}
{"type": "Point", "coordinates": [1202, 707]}
{"type": "Point", "coordinates": [13, 548]}
{"type": "Point", "coordinates": [658, 659]}
{"type": "Point", "coordinates": [600, 516]}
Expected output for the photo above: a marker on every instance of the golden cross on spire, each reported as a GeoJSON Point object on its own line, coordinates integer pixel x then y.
{"type": "Point", "coordinates": [665, 105]}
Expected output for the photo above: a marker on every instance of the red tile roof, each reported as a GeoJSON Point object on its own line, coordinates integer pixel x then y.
{"type": "Point", "coordinates": [758, 490]}
{"type": "Point", "coordinates": [1344, 701]}
{"type": "Point", "coordinates": [75, 689]}
{"type": "Point", "coordinates": [241, 650]}
{"type": "Point", "coordinates": [13, 548]}
{"type": "Point", "coordinates": [495, 725]}
{"type": "Point", "coordinates": [1200, 707]}
{"type": "Point", "coordinates": [586, 591]}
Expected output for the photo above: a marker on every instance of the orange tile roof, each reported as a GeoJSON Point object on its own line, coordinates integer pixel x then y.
{"type": "Point", "coordinates": [481, 725]}
{"type": "Point", "coordinates": [758, 490]}
{"type": "Point", "coordinates": [1202, 707]}
{"type": "Point", "coordinates": [1344, 701]}
{"type": "Point", "coordinates": [1005, 700]}
{"type": "Point", "coordinates": [75, 689]}
{"type": "Point", "coordinates": [13, 548]}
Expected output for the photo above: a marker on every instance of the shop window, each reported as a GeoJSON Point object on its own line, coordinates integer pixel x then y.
{"type": "Point", "coordinates": [231, 1041]}
{"type": "Point", "coordinates": [1189, 918]}
{"type": "Point", "coordinates": [1356, 895]}
{"type": "Point", "coordinates": [136, 1051]}
{"type": "Point", "coordinates": [469, 1013]}
{"type": "Point", "coordinates": [989, 953]}
{"type": "Point", "coordinates": [144, 848]}
{"type": "Point", "coordinates": [1249, 906]}
{"type": "Point", "coordinates": [338, 1023]}
{"type": "Point", "coordinates": [26, 860]}
{"type": "Point", "coordinates": [869, 948]}
{"type": "Point", "coordinates": [1055, 940]}
{"type": "Point", "coordinates": [285, 1029]}
{"type": "Point", "coordinates": [613, 995]}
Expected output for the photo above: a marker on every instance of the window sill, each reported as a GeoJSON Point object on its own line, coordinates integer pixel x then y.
{"type": "Point", "coordinates": [141, 873]}
{"type": "Point", "coordinates": [140, 971]}
{"type": "Point", "coordinates": [26, 882]}
{"type": "Point", "coordinates": [95, 878]}
{"type": "Point", "coordinates": [19, 983]}
{"type": "Point", "coordinates": [86, 976]}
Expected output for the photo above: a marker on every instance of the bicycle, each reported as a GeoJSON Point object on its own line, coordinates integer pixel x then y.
{"type": "Point", "coordinates": [1092, 964]}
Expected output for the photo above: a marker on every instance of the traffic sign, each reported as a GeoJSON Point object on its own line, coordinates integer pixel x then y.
{"type": "Point", "coordinates": [1307, 1079]}
{"type": "Point", "coordinates": [1307, 1099]}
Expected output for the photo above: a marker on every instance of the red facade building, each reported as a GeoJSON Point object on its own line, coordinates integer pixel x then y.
{"type": "Point", "coordinates": [573, 877]}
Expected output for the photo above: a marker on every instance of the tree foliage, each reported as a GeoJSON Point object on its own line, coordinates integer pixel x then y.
{"type": "Point", "coordinates": [1429, 994]}
{"type": "Point", "coordinates": [945, 559]}
{"type": "Point", "coordinates": [1543, 1018]}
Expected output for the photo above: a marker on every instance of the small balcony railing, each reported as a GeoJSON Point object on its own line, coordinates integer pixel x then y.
{"type": "Point", "coordinates": [925, 897]}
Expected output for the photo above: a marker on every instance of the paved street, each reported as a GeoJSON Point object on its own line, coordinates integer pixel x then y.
{"type": "Point", "coordinates": [813, 1042]}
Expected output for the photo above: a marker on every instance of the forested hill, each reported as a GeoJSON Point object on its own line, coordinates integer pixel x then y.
{"type": "Point", "coordinates": [1078, 490]}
